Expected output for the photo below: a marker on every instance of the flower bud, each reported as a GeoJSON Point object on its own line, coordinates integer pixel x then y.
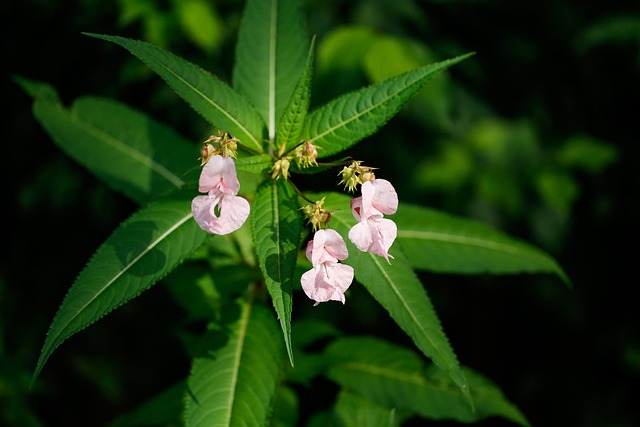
{"type": "Point", "coordinates": [306, 154]}
{"type": "Point", "coordinates": [280, 169]}
{"type": "Point", "coordinates": [206, 152]}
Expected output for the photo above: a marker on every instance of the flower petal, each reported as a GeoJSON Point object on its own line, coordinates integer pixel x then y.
{"type": "Point", "coordinates": [327, 245]}
{"type": "Point", "coordinates": [219, 174]}
{"type": "Point", "coordinates": [360, 235]}
{"type": "Point", "coordinates": [384, 232]}
{"type": "Point", "coordinates": [356, 208]}
{"type": "Point", "coordinates": [231, 213]}
{"type": "Point", "coordinates": [385, 198]}
{"type": "Point", "coordinates": [375, 235]}
{"type": "Point", "coordinates": [327, 282]}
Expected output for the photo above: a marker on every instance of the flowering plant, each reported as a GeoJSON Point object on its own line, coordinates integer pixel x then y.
{"type": "Point", "coordinates": [251, 235]}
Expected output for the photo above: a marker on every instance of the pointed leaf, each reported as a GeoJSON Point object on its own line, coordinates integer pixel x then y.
{"type": "Point", "coordinates": [399, 291]}
{"type": "Point", "coordinates": [233, 381]}
{"type": "Point", "coordinates": [125, 148]}
{"type": "Point", "coordinates": [219, 104]}
{"type": "Point", "coordinates": [443, 243]}
{"type": "Point", "coordinates": [272, 43]}
{"type": "Point", "coordinates": [346, 120]}
{"type": "Point", "coordinates": [277, 232]}
{"type": "Point", "coordinates": [140, 252]}
{"type": "Point", "coordinates": [292, 120]}
{"type": "Point", "coordinates": [254, 164]}
{"type": "Point", "coordinates": [396, 377]}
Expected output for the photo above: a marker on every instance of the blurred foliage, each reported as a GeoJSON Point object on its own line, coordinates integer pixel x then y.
{"type": "Point", "coordinates": [535, 134]}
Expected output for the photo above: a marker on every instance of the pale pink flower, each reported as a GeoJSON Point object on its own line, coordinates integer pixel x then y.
{"type": "Point", "coordinates": [220, 211]}
{"type": "Point", "coordinates": [328, 280]}
{"type": "Point", "coordinates": [374, 233]}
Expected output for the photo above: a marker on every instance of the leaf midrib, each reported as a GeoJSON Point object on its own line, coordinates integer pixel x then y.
{"type": "Point", "coordinates": [152, 58]}
{"type": "Point", "coordinates": [403, 301]}
{"type": "Point", "coordinates": [273, 31]}
{"type": "Point", "coordinates": [120, 145]}
{"type": "Point", "coordinates": [125, 269]}
{"type": "Point", "coordinates": [365, 111]}
{"type": "Point", "coordinates": [396, 375]}
{"type": "Point", "coordinates": [462, 240]}
{"type": "Point", "coordinates": [242, 333]}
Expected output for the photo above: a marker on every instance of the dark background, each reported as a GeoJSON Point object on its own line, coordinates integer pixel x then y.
{"type": "Point", "coordinates": [564, 68]}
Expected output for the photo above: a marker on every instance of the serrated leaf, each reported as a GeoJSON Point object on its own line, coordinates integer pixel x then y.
{"type": "Point", "coordinates": [254, 164]}
{"type": "Point", "coordinates": [277, 228]}
{"type": "Point", "coordinates": [396, 377]}
{"type": "Point", "coordinates": [341, 123]}
{"type": "Point", "coordinates": [214, 100]}
{"type": "Point", "coordinates": [233, 381]}
{"type": "Point", "coordinates": [292, 120]}
{"type": "Point", "coordinates": [443, 243]}
{"type": "Point", "coordinates": [397, 288]}
{"type": "Point", "coordinates": [128, 150]}
{"type": "Point", "coordinates": [272, 44]}
{"type": "Point", "coordinates": [141, 251]}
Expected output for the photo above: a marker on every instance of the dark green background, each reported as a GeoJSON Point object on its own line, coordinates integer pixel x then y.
{"type": "Point", "coordinates": [565, 357]}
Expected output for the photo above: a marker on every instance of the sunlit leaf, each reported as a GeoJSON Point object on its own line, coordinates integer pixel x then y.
{"type": "Point", "coordinates": [128, 150]}
{"type": "Point", "coordinates": [214, 100]}
{"type": "Point", "coordinates": [397, 288]}
{"type": "Point", "coordinates": [292, 120]}
{"type": "Point", "coordinates": [277, 232]}
{"type": "Point", "coordinates": [341, 123]}
{"type": "Point", "coordinates": [234, 378]}
{"type": "Point", "coordinates": [142, 250]}
{"type": "Point", "coordinates": [443, 243]}
{"type": "Point", "coordinates": [270, 54]}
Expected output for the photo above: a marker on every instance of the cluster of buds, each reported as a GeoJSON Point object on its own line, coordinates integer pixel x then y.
{"type": "Point", "coordinates": [355, 174]}
{"type": "Point", "coordinates": [306, 154]}
{"type": "Point", "coordinates": [316, 216]}
{"type": "Point", "coordinates": [280, 168]}
{"type": "Point", "coordinates": [223, 145]}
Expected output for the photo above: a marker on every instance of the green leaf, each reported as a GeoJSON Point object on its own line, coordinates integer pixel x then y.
{"type": "Point", "coordinates": [254, 164]}
{"type": "Point", "coordinates": [140, 252]}
{"type": "Point", "coordinates": [396, 377]}
{"type": "Point", "coordinates": [125, 148]}
{"type": "Point", "coordinates": [443, 243]}
{"type": "Point", "coordinates": [285, 408]}
{"type": "Point", "coordinates": [272, 43]}
{"type": "Point", "coordinates": [292, 120]}
{"type": "Point", "coordinates": [354, 411]}
{"type": "Point", "coordinates": [233, 381]}
{"type": "Point", "coordinates": [341, 123]}
{"type": "Point", "coordinates": [399, 291]}
{"type": "Point", "coordinates": [277, 233]}
{"type": "Point", "coordinates": [219, 104]}
{"type": "Point", "coordinates": [162, 409]}
{"type": "Point", "coordinates": [38, 90]}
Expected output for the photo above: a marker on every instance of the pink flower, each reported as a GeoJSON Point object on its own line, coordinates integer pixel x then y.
{"type": "Point", "coordinates": [220, 211]}
{"type": "Point", "coordinates": [373, 233]}
{"type": "Point", "coordinates": [328, 280]}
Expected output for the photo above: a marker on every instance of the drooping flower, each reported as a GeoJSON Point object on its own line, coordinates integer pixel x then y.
{"type": "Point", "coordinates": [220, 211]}
{"type": "Point", "coordinates": [328, 280]}
{"type": "Point", "coordinates": [374, 233]}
